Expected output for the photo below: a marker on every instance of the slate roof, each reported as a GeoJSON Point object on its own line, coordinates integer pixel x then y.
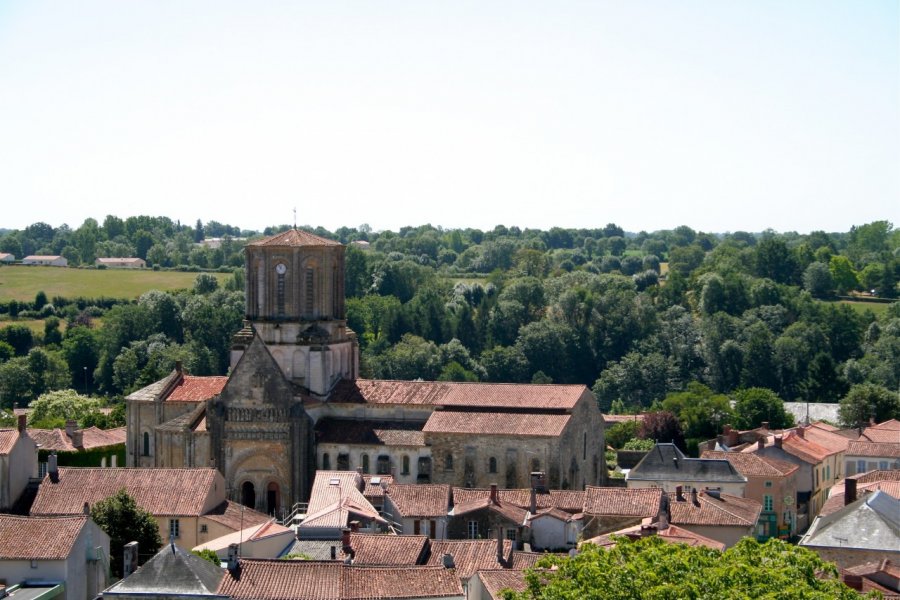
{"type": "Point", "coordinates": [176, 492]}
{"type": "Point", "coordinates": [496, 580]}
{"type": "Point", "coordinates": [420, 500]}
{"type": "Point", "coordinates": [665, 462]}
{"type": "Point", "coordinates": [754, 465]}
{"type": "Point", "coordinates": [373, 433]}
{"type": "Point", "coordinates": [624, 502]}
{"type": "Point", "coordinates": [470, 555]}
{"type": "Point", "coordinates": [294, 238]}
{"type": "Point", "coordinates": [311, 580]}
{"type": "Point", "coordinates": [571, 501]}
{"type": "Point", "coordinates": [38, 538]}
{"type": "Point", "coordinates": [870, 523]}
{"type": "Point", "coordinates": [875, 449]}
{"type": "Point", "coordinates": [197, 389]}
{"type": "Point", "coordinates": [92, 437]}
{"type": "Point", "coordinates": [491, 423]}
{"type": "Point", "coordinates": [8, 439]}
{"type": "Point", "coordinates": [457, 394]}
{"type": "Point", "coordinates": [172, 571]}
{"type": "Point", "coordinates": [726, 511]}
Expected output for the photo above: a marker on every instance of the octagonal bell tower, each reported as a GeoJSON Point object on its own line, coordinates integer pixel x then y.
{"type": "Point", "coordinates": [295, 301]}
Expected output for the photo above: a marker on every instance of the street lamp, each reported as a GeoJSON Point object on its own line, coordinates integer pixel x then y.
{"type": "Point", "coordinates": [85, 380]}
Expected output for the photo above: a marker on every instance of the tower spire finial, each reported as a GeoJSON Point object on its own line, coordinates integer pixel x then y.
{"type": "Point", "coordinates": [295, 217]}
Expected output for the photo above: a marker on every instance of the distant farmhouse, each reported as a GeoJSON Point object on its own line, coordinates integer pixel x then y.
{"type": "Point", "coordinates": [6, 257]}
{"type": "Point", "coordinates": [45, 261]}
{"type": "Point", "coordinates": [121, 263]}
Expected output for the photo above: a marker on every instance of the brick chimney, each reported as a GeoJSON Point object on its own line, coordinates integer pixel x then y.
{"type": "Point", "coordinates": [694, 500]}
{"type": "Point", "coordinates": [778, 440]}
{"type": "Point", "coordinates": [853, 581]}
{"type": "Point", "coordinates": [761, 442]}
{"type": "Point", "coordinates": [764, 426]}
{"type": "Point", "coordinates": [23, 422]}
{"type": "Point", "coordinates": [533, 501]}
{"type": "Point", "coordinates": [801, 431]}
{"type": "Point", "coordinates": [179, 368]}
{"type": "Point", "coordinates": [849, 491]}
{"type": "Point", "coordinates": [494, 494]}
{"type": "Point", "coordinates": [78, 438]}
{"type": "Point", "coordinates": [71, 426]}
{"type": "Point", "coordinates": [354, 526]}
{"type": "Point", "coordinates": [679, 493]}
{"type": "Point", "coordinates": [346, 544]}
{"type": "Point", "coordinates": [711, 444]}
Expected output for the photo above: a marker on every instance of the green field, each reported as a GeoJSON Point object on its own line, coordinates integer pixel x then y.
{"type": "Point", "coordinates": [22, 283]}
{"type": "Point", "coordinates": [877, 308]}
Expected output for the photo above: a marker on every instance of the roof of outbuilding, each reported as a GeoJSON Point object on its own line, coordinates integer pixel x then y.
{"type": "Point", "coordinates": [492, 423]}
{"type": "Point", "coordinates": [386, 549]}
{"type": "Point", "coordinates": [672, 534]}
{"type": "Point", "coordinates": [235, 516]}
{"type": "Point", "coordinates": [420, 500]}
{"type": "Point", "coordinates": [726, 510]}
{"type": "Point", "coordinates": [294, 238]}
{"type": "Point", "coordinates": [39, 538]}
{"type": "Point", "coordinates": [8, 439]}
{"type": "Point", "coordinates": [158, 491]}
{"type": "Point", "coordinates": [571, 501]}
{"type": "Point", "coordinates": [470, 555]}
{"type": "Point", "coordinates": [640, 502]}
{"type": "Point", "coordinates": [446, 393]}
{"type": "Point", "coordinates": [497, 580]}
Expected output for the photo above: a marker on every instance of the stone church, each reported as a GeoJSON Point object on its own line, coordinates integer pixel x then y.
{"type": "Point", "coordinates": [293, 403]}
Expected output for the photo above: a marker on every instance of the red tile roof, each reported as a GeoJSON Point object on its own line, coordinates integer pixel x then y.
{"type": "Point", "coordinates": [311, 580]}
{"type": "Point", "coordinates": [672, 534]}
{"type": "Point", "coordinates": [8, 439]}
{"type": "Point", "coordinates": [197, 389]}
{"type": "Point", "coordinates": [235, 516]}
{"type": "Point", "coordinates": [641, 502]}
{"type": "Point", "coordinates": [293, 238]}
{"type": "Point", "coordinates": [837, 493]}
{"type": "Point", "coordinates": [524, 560]}
{"type": "Point", "coordinates": [874, 449]}
{"type": "Point", "coordinates": [804, 449]}
{"type": "Point", "coordinates": [374, 433]}
{"type": "Point", "coordinates": [443, 393]}
{"type": "Point", "coordinates": [385, 549]}
{"type": "Point", "coordinates": [826, 438]}
{"type": "Point", "coordinates": [38, 538]}
{"type": "Point", "coordinates": [754, 465]}
{"type": "Point", "coordinates": [613, 419]}
{"type": "Point", "coordinates": [875, 434]}
{"type": "Point", "coordinates": [92, 437]}
{"type": "Point", "coordinates": [470, 555]}
{"type": "Point", "coordinates": [725, 511]}
{"type": "Point", "coordinates": [485, 423]}
{"type": "Point", "coordinates": [159, 491]}
{"type": "Point", "coordinates": [497, 580]}
{"type": "Point", "coordinates": [571, 501]}
{"type": "Point", "coordinates": [420, 500]}
{"type": "Point", "coordinates": [374, 492]}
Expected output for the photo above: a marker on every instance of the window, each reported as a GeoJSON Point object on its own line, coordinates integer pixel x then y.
{"type": "Point", "coordinates": [511, 534]}
{"type": "Point", "coordinates": [343, 462]}
{"type": "Point", "coordinates": [174, 527]}
{"type": "Point", "coordinates": [473, 530]}
{"type": "Point", "coordinates": [146, 444]}
{"type": "Point", "coordinates": [42, 469]}
{"type": "Point", "coordinates": [768, 484]}
{"type": "Point", "coordinates": [492, 465]}
{"type": "Point", "coordinates": [405, 465]}
{"type": "Point", "coordinates": [417, 527]}
{"type": "Point", "coordinates": [448, 462]}
{"type": "Point", "coordinates": [827, 472]}
{"type": "Point", "coordinates": [365, 463]}
{"type": "Point", "coordinates": [817, 477]}
{"type": "Point", "coordinates": [383, 465]}
{"type": "Point", "coordinates": [535, 465]}
{"type": "Point", "coordinates": [432, 529]}
{"type": "Point", "coordinates": [204, 529]}
{"type": "Point", "coordinates": [767, 503]}
{"type": "Point", "coordinates": [883, 465]}
{"type": "Point", "coordinates": [861, 466]}
{"type": "Point", "coordinates": [279, 291]}
{"type": "Point", "coordinates": [326, 462]}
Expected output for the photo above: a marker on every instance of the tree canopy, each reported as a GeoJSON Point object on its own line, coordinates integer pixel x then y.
{"type": "Point", "coordinates": [124, 521]}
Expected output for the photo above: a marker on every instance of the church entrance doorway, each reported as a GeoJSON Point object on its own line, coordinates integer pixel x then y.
{"type": "Point", "coordinates": [248, 494]}
{"type": "Point", "coordinates": [272, 498]}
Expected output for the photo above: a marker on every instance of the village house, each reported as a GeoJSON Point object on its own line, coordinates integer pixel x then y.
{"type": "Point", "coordinates": [863, 456]}
{"type": "Point", "coordinates": [77, 447]}
{"type": "Point", "coordinates": [190, 505]}
{"type": "Point", "coordinates": [715, 515]}
{"type": "Point", "coordinates": [18, 463]}
{"type": "Point", "coordinates": [863, 483]}
{"type": "Point", "coordinates": [666, 467]}
{"type": "Point", "coordinates": [671, 534]}
{"type": "Point", "coordinates": [419, 508]}
{"type": "Point", "coordinates": [611, 509]}
{"type": "Point", "coordinates": [66, 556]}
{"type": "Point", "coordinates": [6, 257]}
{"type": "Point", "coordinates": [264, 540]}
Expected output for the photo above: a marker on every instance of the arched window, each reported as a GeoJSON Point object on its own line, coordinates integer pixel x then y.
{"type": "Point", "coordinates": [146, 444]}
{"type": "Point", "coordinates": [448, 462]}
{"type": "Point", "coordinates": [492, 465]}
{"type": "Point", "coordinates": [326, 462]}
{"type": "Point", "coordinates": [405, 465]}
{"type": "Point", "coordinates": [365, 463]}
{"type": "Point", "coordinates": [248, 494]}
{"type": "Point", "coordinates": [272, 498]}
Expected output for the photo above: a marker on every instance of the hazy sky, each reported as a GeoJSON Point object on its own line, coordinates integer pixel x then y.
{"type": "Point", "coordinates": [738, 115]}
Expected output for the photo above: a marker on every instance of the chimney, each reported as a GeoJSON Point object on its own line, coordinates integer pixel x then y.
{"type": "Point", "coordinates": [694, 500]}
{"type": "Point", "coordinates": [853, 581]}
{"type": "Point", "coordinates": [447, 559]}
{"type": "Point", "coordinates": [664, 514]}
{"type": "Point", "coordinates": [345, 540]}
{"type": "Point", "coordinates": [778, 440]}
{"type": "Point", "coordinates": [23, 420]}
{"type": "Point", "coordinates": [711, 444]}
{"type": "Point", "coordinates": [679, 493]}
{"type": "Point", "coordinates": [765, 426]}
{"type": "Point", "coordinates": [761, 442]}
{"type": "Point", "coordinates": [52, 469]}
{"type": "Point", "coordinates": [178, 367]}
{"type": "Point", "coordinates": [234, 561]}
{"type": "Point", "coordinates": [500, 545]}
{"type": "Point", "coordinates": [648, 530]}
{"type": "Point", "coordinates": [354, 526]}
{"type": "Point", "coordinates": [71, 426]}
{"type": "Point", "coordinates": [86, 509]}
{"type": "Point", "coordinates": [129, 558]}
{"type": "Point", "coordinates": [849, 491]}
{"type": "Point", "coordinates": [494, 494]}
{"type": "Point", "coordinates": [726, 429]}
{"type": "Point", "coordinates": [539, 481]}
{"type": "Point", "coordinates": [334, 553]}
{"type": "Point", "coordinates": [78, 438]}
{"type": "Point", "coordinates": [801, 431]}
{"type": "Point", "coordinates": [533, 501]}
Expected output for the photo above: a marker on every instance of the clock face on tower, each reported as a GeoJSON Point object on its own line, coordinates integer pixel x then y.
{"type": "Point", "coordinates": [280, 268]}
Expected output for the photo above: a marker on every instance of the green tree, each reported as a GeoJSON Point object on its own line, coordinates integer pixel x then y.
{"type": "Point", "coordinates": [843, 275]}
{"type": "Point", "coordinates": [700, 411]}
{"type": "Point", "coordinates": [205, 283]}
{"type": "Point", "coordinates": [210, 555]}
{"type": "Point", "coordinates": [124, 521]}
{"type": "Point", "coordinates": [754, 405]}
{"type": "Point", "coordinates": [15, 383]}
{"type": "Point", "coordinates": [867, 401]}
{"type": "Point", "coordinates": [19, 337]}
{"type": "Point", "coordinates": [621, 432]}
{"type": "Point", "coordinates": [817, 280]}
{"type": "Point", "coordinates": [61, 405]}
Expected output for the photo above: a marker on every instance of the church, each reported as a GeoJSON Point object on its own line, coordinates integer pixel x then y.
{"type": "Point", "coordinates": [293, 403]}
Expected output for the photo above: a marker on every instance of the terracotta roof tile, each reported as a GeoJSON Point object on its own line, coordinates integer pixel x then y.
{"type": "Point", "coordinates": [235, 516]}
{"type": "Point", "coordinates": [803, 449]}
{"type": "Point", "coordinates": [497, 580]}
{"type": "Point", "coordinates": [383, 433]}
{"type": "Point", "coordinates": [8, 439]}
{"type": "Point", "coordinates": [420, 500]}
{"type": "Point", "coordinates": [470, 555]}
{"type": "Point", "coordinates": [38, 538]}
{"type": "Point", "coordinates": [331, 486]}
{"type": "Point", "coordinates": [571, 501]}
{"type": "Point", "coordinates": [197, 389]}
{"type": "Point", "coordinates": [525, 560]}
{"type": "Point", "coordinates": [727, 510]}
{"type": "Point", "coordinates": [158, 491]}
{"type": "Point", "coordinates": [754, 465]}
{"type": "Point", "coordinates": [294, 238]}
{"type": "Point", "coordinates": [874, 449]}
{"type": "Point", "coordinates": [837, 493]}
{"type": "Point", "coordinates": [485, 423]}
{"type": "Point", "coordinates": [878, 475]}
{"type": "Point", "coordinates": [311, 580]}
{"type": "Point", "coordinates": [874, 434]}
{"type": "Point", "coordinates": [442, 393]}
{"type": "Point", "coordinates": [672, 534]}
{"type": "Point", "coordinates": [385, 549]}
{"type": "Point", "coordinates": [92, 437]}
{"type": "Point", "coordinates": [826, 438]}
{"type": "Point", "coordinates": [613, 419]}
{"type": "Point", "coordinates": [375, 487]}
{"type": "Point", "coordinates": [641, 502]}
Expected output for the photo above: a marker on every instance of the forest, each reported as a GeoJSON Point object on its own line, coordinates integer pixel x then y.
{"type": "Point", "coordinates": [678, 317]}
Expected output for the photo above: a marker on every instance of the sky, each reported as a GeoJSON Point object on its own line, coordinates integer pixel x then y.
{"type": "Point", "coordinates": [724, 116]}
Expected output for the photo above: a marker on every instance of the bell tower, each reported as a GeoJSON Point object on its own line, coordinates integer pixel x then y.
{"type": "Point", "coordinates": [295, 301]}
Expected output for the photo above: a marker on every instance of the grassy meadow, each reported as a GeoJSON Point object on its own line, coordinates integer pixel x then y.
{"type": "Point", "coordinates": [19, 282]}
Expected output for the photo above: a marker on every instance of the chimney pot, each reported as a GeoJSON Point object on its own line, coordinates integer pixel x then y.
{"type": "Point", "coordinates": [129, 558]}
{"type": "Point", "coordinates": [778, 440]}
{"type": "Point", "coordinates": [849, 491]}
{"type": "Point", "coordinates": [23, 422]}
{"type": "Point", "coordinates": [71, 426]}
{"type": "Point", "coordinates": [234, 561]}
{"type": "Point", "coordinates": [78, 438]}
{"type": "Point", "coordinates": [765, 425]}
{"type": "Point", "coordinates": [679, 493]}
